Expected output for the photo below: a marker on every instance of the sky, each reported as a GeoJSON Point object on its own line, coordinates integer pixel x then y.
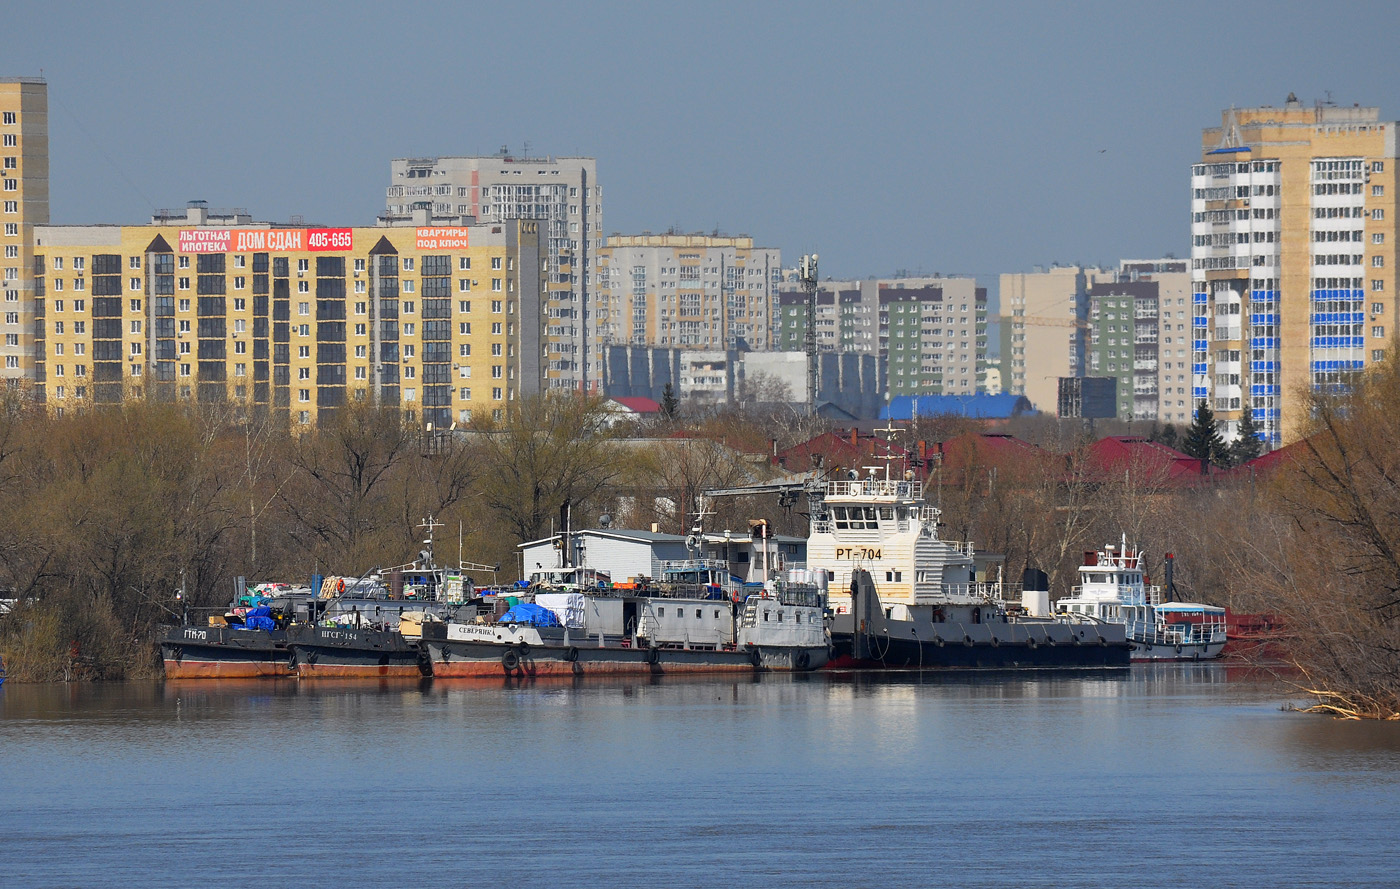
{"type": "Point", "coordinates": [967, 138]}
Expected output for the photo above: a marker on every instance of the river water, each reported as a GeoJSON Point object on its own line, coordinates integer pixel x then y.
{"type": "Point", "coordinates": [1160, 776]}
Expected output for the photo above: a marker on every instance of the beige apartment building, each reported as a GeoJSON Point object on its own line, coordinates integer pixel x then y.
{"type": "Point", "coordinates": [1044, 329]}
{"type": "Point", "coordinates": [563, 195]}
{"type": "Point", "coordinates": [1293, 257]}
{"type": "Point", "coordinates": [691, 291]}
{"type": "Point", "coordinates": [24, 188]}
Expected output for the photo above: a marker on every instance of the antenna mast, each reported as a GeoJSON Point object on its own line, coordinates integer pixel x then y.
{"type": "Point", "coordinates": [807, 274]}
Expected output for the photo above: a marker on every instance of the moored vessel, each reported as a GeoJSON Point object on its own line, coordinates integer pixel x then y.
{"type": "Point", "coordinates": [912, 600]}
{"type": "Point", "coordinates": [1114, 587]}
{"type": "Point", "coordinates": [698, 619]}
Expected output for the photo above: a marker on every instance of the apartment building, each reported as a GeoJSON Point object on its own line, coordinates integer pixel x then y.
{"type": "Point", "coordinates": [1292, 259]}
{"type": "Point", "coordinates": [1172, 279]}
{"type": "Point", "coordinates": [563, 195]}
{"type": "Point", "coordinates": [931, 331]}
{"type": "Point", "coordinates": [1044, 329]}
{"type": "Point", "coordinates": [24, 188]}
{"type": "Point", "coordinates": [1124, 341]}
{"type": "Point", "coordinates": [210, 306]}
{"type": "Point", "coordinates": [693, 291]}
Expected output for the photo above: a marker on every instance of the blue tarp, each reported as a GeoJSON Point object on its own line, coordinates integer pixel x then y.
{"type": "Point", "coordinates": [531, 614]}
{"type": "Point", "coordinates": [906, 407]}
{"type": "Point", "coordinates": [259, 623]}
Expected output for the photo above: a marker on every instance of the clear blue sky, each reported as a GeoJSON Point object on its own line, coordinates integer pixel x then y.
{"type": "Point", "coordinates": [966, 138]}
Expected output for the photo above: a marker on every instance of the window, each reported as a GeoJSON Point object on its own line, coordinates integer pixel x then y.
{"type": "Point", "coordinates": [11, 140]}
{"type": "Point", "coordinates": [184, 370]}
{"type": "Point", "coordinates": [136, 327]}
{"type": "Point", "coordinates": [304, 330]}
{"type": "Point", "coordinates": [495, 394]}
{"type": "Point", "coordinates": [303, 287]}
{"type": "Point", "coordinates": [184, 348]}
{"type": "Point", "coordinates": [1378, 331]}
{"type": "Point", "coordinates": [303, 265]}
{"type": "Point", "coordinates": [464, 285]}
{"type": "Point", "coordinates": [1377, 308]}
{"type": "Point", "coordinates": [240, 347]}
{"type": "Point", "coordinates": [496, 306]}
{"type": "Point", "coordinates": [409, 308]}
{"type": "Point", "coordinates": [239, 282]}
{"type": "Point", "coordinates": [10, 118]}
{"type": "Point", "coordinates": [185, 307]}
{"type": "Point", "coordinates": [1377, 354]}
{"type": "Point", "coordinates": [303, 308]}
{"type": "Point", "coordinates": [496, 349]}
{"type": "Point", "coordinates": [496, 285]}
{"type": "Point", "coordinates": [495, 371]}
{"type": "Point", "coordinates": [303, 395]}
{"type": "Point", "coordinates": [359, 373]}
{"type": "Point", "coordinates": [1377, 285]}
{"type": "Point", "coordinates": [495, 262]}
{"type": "Point", "coordinates": [136, 285]}
{"type": "Point", "coordinates": [303, 351]}
{"type": "Point", "coordinates": [12, 206]}
{"type": "Point", "coordinates": [408, 263]}
{"type": "Point", "coordinates": [464, 263]}
{"type": "Point", "coordinates": [184, 284]}
{"type": "Point", "coordinates": [408, 329]}
{"type": "Point", "coordinates": [360, 308]}
{"type": "Point", "coordinates": [1377, 262]}
{"type": "Point", "coordinates": [1378, 238]}
{"type": "Point", "coordinates": [303, 373]}
{"type": "Point", "coordinates": [184, 262]}
{"type": "Point", "coordinates": [12, 229]}
{"type": "Point", "coordinates": [360, 330]}
{"type": "Point", "coordinates": [1376, 190]}
{"type": "Point", "coordinates": [464, 306]}
{"type": "Point", "coordinates": [465, 393]}
{"type": "Point", "coordinates": [304, 417]}
{"type": "Point", "coordinates": [360, 352]}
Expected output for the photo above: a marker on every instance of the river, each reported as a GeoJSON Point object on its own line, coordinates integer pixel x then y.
{"type": "Point", "coordinates": [1166, 775]}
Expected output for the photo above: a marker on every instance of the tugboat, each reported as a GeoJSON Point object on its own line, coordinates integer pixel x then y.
{"type": "Point", "coordinates": [1112, 587]}
{"type": "Point", "coordinates": [915, 600]}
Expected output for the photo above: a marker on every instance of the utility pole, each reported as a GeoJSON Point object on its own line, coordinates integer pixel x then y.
{"type": "Point", "coordinates": [807, 274]}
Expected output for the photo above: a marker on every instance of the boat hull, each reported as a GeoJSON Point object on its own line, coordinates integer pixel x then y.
{"type": "Point", "coordinates": [224, 653]}
{"type": "Point", "coordinates": [1144, 651]}
{"type": "Point", "coordinates": [336, 653]}
{"type": "Point", "coordinates": [899, 645]}
{"type": "Point", "coordinates": [462, 659]}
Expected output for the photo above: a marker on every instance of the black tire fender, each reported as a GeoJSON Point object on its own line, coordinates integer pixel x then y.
{"type": "Point", "coordinates": [510, 660]}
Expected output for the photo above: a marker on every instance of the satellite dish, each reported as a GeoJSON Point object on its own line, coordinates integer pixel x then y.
{"type": "Point", "coordinates": [604, 520]}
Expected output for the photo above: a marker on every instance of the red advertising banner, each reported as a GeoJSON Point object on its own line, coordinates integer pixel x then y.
{"type": "Point", "coordinates": [442, 238]}
{"type": "Point", "coordinates": [274, 240]}
{"type": "Point", "coordinates": [204, 240]}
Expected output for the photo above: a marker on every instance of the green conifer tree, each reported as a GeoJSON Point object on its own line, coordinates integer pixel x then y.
{"type": "Point", "coordinates": [1248, 445]}
{"type": "Point", "coordinates": [1203, 439]}
{"type": "Point", "coordinates": [669, 404]}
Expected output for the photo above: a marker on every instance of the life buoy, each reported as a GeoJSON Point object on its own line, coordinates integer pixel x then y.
{"type": "Point", "coordinates": [803, 660]}
{"type": "Point", "coordinates": [340, 585]}
{"type": "Point", "coordinates": [510, 660]}
{"type": "Point", "coordinates": [571, 654]}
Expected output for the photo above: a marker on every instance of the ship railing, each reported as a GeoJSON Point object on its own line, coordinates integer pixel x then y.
{"type": "Point", "coordinates": [876, 487]}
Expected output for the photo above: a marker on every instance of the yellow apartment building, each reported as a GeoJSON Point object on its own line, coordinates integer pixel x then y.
{"type": "Point", "coordinates": [209, 306]}
{"type": "Point", "coordinates": [1293, 258]}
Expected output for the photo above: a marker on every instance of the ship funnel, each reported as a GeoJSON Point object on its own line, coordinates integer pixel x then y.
{"type": "Point", "coordinates": [1035, 592]}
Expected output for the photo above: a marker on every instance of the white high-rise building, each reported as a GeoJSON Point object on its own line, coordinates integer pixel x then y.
{"type": "Point", "coordinates": [561, 191]}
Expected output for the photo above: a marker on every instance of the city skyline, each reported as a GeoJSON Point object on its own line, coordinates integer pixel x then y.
{"type": "Point", "coordinates": [926, 140]}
